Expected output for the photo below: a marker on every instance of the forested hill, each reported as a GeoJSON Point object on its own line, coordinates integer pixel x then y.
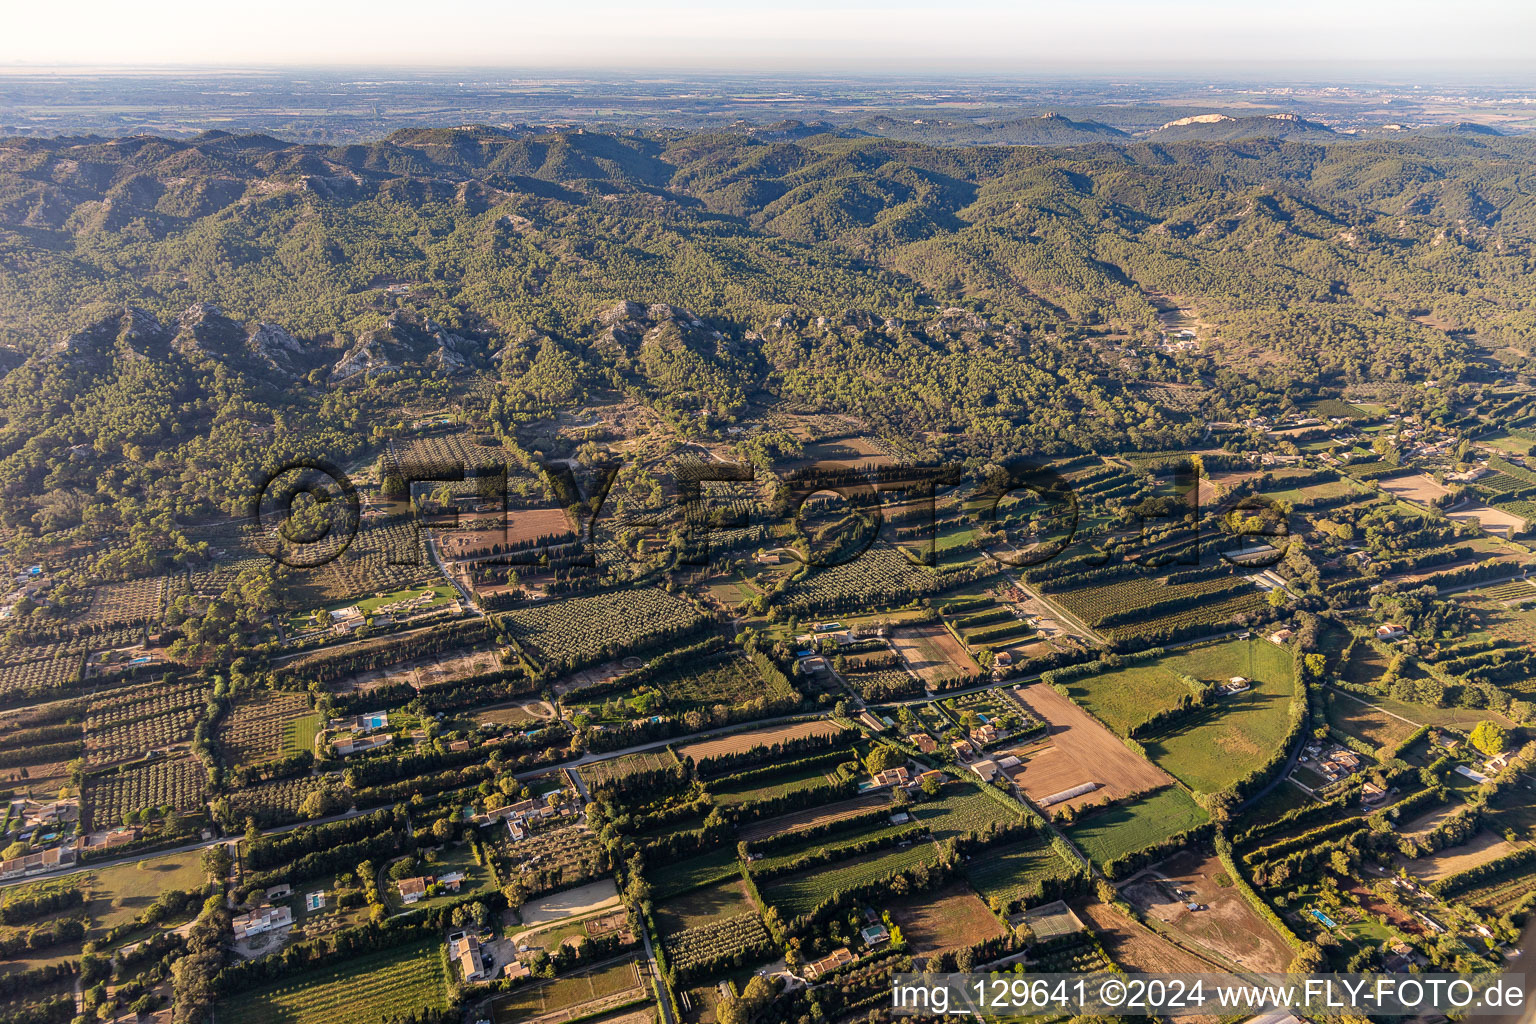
{"type": "Point", "coordinates": [988, 300]}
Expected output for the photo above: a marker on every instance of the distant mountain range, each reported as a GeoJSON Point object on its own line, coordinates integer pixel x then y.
{"type": "Point", "coordinates": [1045, 130]}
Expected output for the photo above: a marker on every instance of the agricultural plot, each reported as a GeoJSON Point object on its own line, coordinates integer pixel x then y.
{"type": "Point", "coordinates": [1124, 697]}
{"type": "Point", "coordinates": [1126, 828]}
{"type": "Point", "coordinates": [41, 675]}
{"type": "Point", "coordinates": [941, 922]}
{"type": "Point", "coordinates": [280, 801]}
{"type": "Point", "coordinates": [586, 899]}
{"type": "Point", "coordinates": [1501, 521]}
{"type": "Point", "coordinates": [129, 603]}
{"type": "Point", "coordinates": [516, 714]}
{"type": "Point", "coordinates": [1224, 742]}
{"type": "Point", "coordinates": [1080, 751]}
{"type": "Point", "coordinates": [1480, 849]}
{"type": "Point", "coordinates": [682, 875]}
{"type": "Point", "coordinates": [120, 893]}
{"type": "Point", "coordinates": [729, 679]}
{"type": "Point", "coordinates": [257, 728]}
{"type": "Point", "coordinates": [612, 769]}
{"type": "Point", "coordinates": [810, 818]}
{"type": "Point", "coordinates": [1014, 875]}
{"type": "Point", "coordinates": [715, 940]}
{"type": "Point", "coordinates": [360, 990]}
{"type": "Point", "coordinates": [727, 795]}
{"type": "Point", "coordinates": [879, 573]}
{"type": "Point", "coordinates": [1365, 721]}
{"type": "Point", "coordinates": [929, 650]}
{"type": "Point", "coordinates": [435, 670]}
{"type": "Point", "coordinates": [578, 994]}
{"type": "Point", "coordinates": [1134, 947]}
{"type": "Point", "coordinates": [518, 536]}
{"type": "Point", "coordinates": [180, 784]}
{"type": "Point", "coordinates": [1227, 925]}
{"type": "Point", "coordinates": [580, 631]}
{"type": "Point", "coordinates": [960, 808]}
{"type": "Point", "coordinates": [735, 743]}
{"type": "Point", "coordinates": [566, 855]}
{"type": "Point", "coordinates": [794, 895]}
{"type": "Point", "coordinates": [1419, 488]}
{"type": "Point", "coordinates": [703, 906]}
{"type": "Point", "coordinates": [1147, 605]}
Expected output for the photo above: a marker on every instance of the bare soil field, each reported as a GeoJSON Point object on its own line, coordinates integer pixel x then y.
{"type": "Point", "coordinates": [517, 713]}
{"type": "Point", "coordinates": [1427, 821]}
{"type": "Point", "coordinates": [931, 651]}
{"type": "Point", "coordinates": [480, 535]}
{"type": "Point", "coordinates": [1369, 723]}
{"type": "Point", "coordinates": [809, 817]}
{"type": "Point", "coordinates": [1080, 750]}
{"type": "Point", "coordinates": [1418, 487]}
{"type": "Point", "coordinates": [1139, 949]}
{"type": "Point", "coordinates": [596, 674]}
{"type": "Point", "coordinates": [1480, 849]}
{"type": "Point", "coordinates": [581, 900]}
{"type": "Point", "coordinates": [426, 672]}
{"type": "Point", "coordinates": [950, 919]}
{"type": "Point", "coordinates": [1229, 927]}
{"type": "Point", "coordinates": [738, 742]}
{"type": "Point", "coordinates": [1495, 521]}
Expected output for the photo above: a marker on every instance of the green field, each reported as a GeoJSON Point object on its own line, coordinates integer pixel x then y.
{"type": "Point", "coordinates": [681, 875]}
{"type": "Point", "coordinates": [962, 807]}
{"type": "Point", "coordinates": [799, 894]}
{"type": "Point", "coordinates": [703, 906]}
{"type": "Point", "coordinates": [1215, 747]}
{"type": "Point", "coordinates": [1126, 696]}
{"type": "Point", "coordinates": [570, 991]}
{"type": "Point", "coordinates": [438, 597]}
{"type": "Point", "coordinates": [363, 990]}
{"type": "Point", "coordinates": [123, 892]}
{"type": "Point", "coordinates": [726, 794]}
{"type": "Point", "coordinates": [1015, 872]}
{"type": "Point", "coordinates": [299, 734]}
{"type": "Point", "coordinates": [1133, 826]}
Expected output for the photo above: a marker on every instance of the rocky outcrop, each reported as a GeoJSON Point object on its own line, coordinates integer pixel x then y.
{"type": "Point", "coordinates": [406, 340]}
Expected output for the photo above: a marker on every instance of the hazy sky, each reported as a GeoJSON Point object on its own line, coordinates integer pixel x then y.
{"type": "Point", "coordinates": [770, 35]}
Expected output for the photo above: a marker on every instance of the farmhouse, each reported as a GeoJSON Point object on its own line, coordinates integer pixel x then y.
{"type": "Point", "coordinates": [452, 880]}
{"type": "Point", "coordinates": [412, 889]}
{"type": "Point", "coordinates": [259, 922]}
{"type": "Point", "coordinates": [892, 777]}
{"type": "Point", "coordinates": [987, 769]}
{"type": "Point", "coordinates": [962, 750]}
{"type": "Point", "coordinates": [922, 741]}
{"type": "Point", "coordinates": [1372, 795]}
{"type": "Point", "coordinates": [932, 774]}
{"type": "Point", "coordinates": [33, 863]}
{"type": "Point", "coordinates": [985, 734]}
{"type": "Point", "coordinates": [871, 721]}
{"type": "Point", "coordinates": [1390, 631]}
{"type": "Point", "coordinates": [346, 746]}
{"type": "Point", "coordinates": [1281, 636]}
{"type": "Point", "coordinates": [372, 721]}
{"type": "Point", "coordinates": [831, 962]}
{"type": "Point", "coordinates": [1237, 684]}
{"type": "Point", "coordinates": [464, 950]}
